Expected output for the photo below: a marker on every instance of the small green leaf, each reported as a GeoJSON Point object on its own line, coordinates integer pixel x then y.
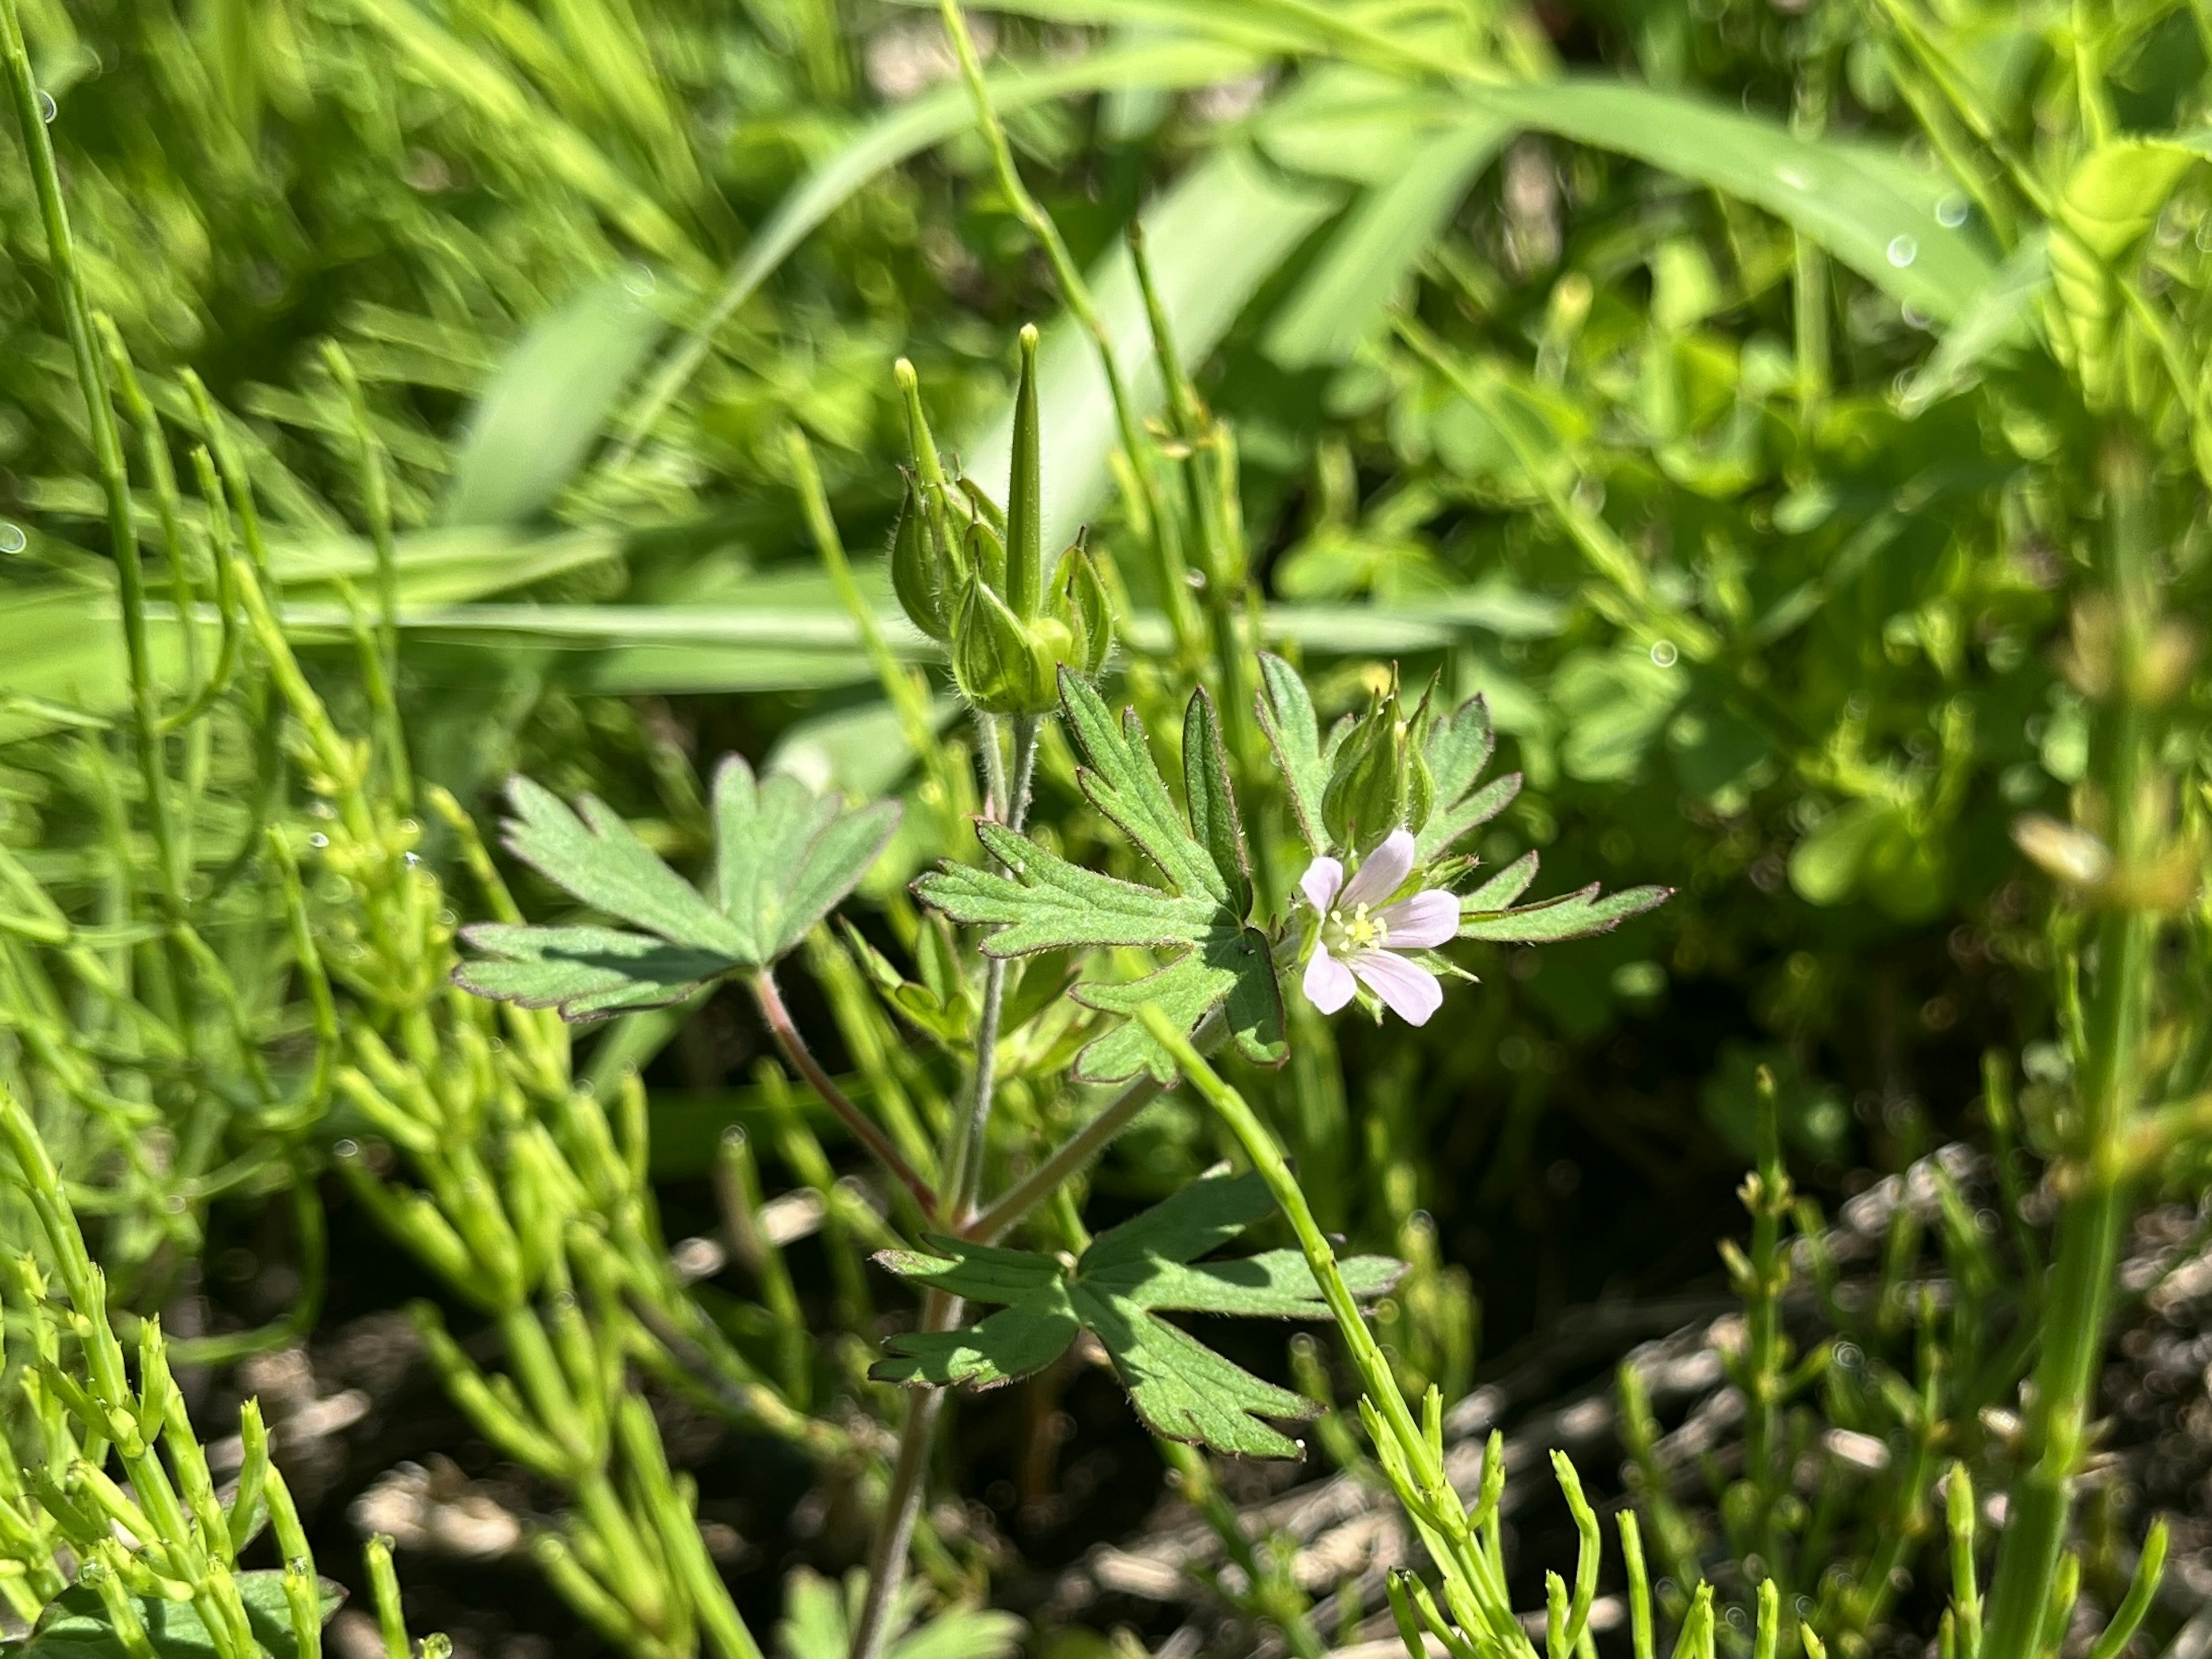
{"type": "Point", "coordinates": [1286, 717]}
{"type": "Point", "coordinates": [75, 1624]}
{"type": "Point", "coordinates": [1823, 867]}
{"type": "Point", "coordinates": [784, 857]}
{"type": "Point", "coordinates": [587, 973]}
{"type": "Point", "coordinates": [818, 1620]}
{"type": "Point", "coordinates": [1131, 1274]}
{"type": "Point", "coordinates": [1214, 818]}
{"type": "Point", "coordinates": [1459, 745]}
{"type": "Point", "coordinates": [1572, 915]}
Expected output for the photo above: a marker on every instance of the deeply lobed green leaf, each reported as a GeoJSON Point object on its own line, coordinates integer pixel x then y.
{"type": "Point", "coordinates": [1180, 1387]}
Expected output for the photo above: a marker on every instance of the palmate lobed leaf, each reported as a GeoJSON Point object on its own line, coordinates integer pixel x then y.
{"type": "Point", "coordinates": [587, 973]}
{"type": "Point", "coordinates": [784, 857]}
{"type": "Point", "coordinates": [1036, 900]}
{"type": "Point", "coordinates": [1180, 1387]}
{"type": "Point", "coordinates": [592, 854]}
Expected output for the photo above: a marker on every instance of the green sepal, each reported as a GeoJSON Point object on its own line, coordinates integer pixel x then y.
{"type": "Point", "coordinates": [923, 574]}
{"type": "Point", "coordinates": [1085, 610]}
{"type": "Point", "coordinates": [999, 663]}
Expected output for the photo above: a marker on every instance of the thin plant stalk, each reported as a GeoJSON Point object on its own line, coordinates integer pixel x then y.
{"type": "Point", "coordinates": [2111, 1067]}
{"type": "Point", "coordinates": [963, 1176]}
{"type": "Point", "coordinates": [108, 455]}
{"type": "Point", "coordinates": [794, 1049]}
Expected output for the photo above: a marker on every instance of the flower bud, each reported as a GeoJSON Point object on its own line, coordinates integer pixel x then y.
{"type": "Point", "coordinates": [1083, 610]}
{"type": "Point", "coordinates": [1421, 782]}
{"type": "Point", "coordinates": [926, 578]}
{"type": "Point", "coordinates": [1370, 790]}
{"type": "Point", "coordinates": [1001, 666]}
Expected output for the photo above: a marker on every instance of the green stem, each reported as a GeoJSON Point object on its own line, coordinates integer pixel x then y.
{"type": "Point", "coordinates": [1085, 1143]}
{"type": "Point", "coordinates": [964, 1178]}
{"type": "Point", "coordinates": [1414, 1460]}
{"type": "Point", "coordinates": [106, 451]}
{"type": "Point", "coordinates": [2085, 1247]}
{"type": "Point", "coordinates": [794, 1049]}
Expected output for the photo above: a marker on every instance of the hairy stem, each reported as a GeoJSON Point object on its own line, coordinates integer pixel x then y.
{"type": "Point", "coordinates": [794, 1049]}
{"type": "Point", "coordinates": [963, 1180]}
{"type": "Point", "coordinates": [1078, 1149]}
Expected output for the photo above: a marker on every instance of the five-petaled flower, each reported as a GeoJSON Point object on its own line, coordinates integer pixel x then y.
{"type": "Point", "coordinates": [1361, 934]}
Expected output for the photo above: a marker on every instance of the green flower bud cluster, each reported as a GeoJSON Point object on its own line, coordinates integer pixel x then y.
{"type": "Point", "coordinates": [973, 575]}
{"type": "Point", "coordinates": [1379, 779]}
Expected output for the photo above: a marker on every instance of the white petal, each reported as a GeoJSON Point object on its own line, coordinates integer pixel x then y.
{"type": "Point", "coordinates": [1323, 880]}
{"type": "Point", "coordinates": [1409, 992]}
{"type": "Point", "coordinates": [1384, 873]}
{"type": "Point", "coordinates": [1421, 921]}
{"type": "Point", "coordinates": [1328, 982]}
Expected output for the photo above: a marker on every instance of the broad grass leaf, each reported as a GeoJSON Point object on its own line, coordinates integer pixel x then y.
{"type": "Point", "coordinates": [1218, 234]}
{"type": "Point", "coordinates": [1867, 206]}
{"type": "Point", "coordinates": [906, 131]}
{"type": "Point", "coordinates": [1342, 300]}
{"type": "Point", "coordinates": [2001, 315]}
{"type": "Point", "coordinates": [1180, 1387]}
{"type": "Point", "coordinates": [535, 421]}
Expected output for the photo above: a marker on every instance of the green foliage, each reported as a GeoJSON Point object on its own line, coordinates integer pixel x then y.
{"type": "Point", "coordinates": [1785, 443]}
{"type": "Point", "coordinates": [77, 1625]}
{"type": "Point", "coordinates": [1116, 1290]}
{"type": "Point", "coordinates": [1042, 902]}
{"type": "Point", "coordinates": [784, 857]}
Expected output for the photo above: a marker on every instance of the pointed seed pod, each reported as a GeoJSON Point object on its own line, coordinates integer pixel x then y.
{"type": "Point", "coordinates": [1024, 589]}
{"type": "Point", "coordinates": [927, 590]}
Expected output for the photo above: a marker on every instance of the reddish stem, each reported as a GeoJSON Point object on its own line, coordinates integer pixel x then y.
{"type": "Point", "coordinates": [864, 1128]}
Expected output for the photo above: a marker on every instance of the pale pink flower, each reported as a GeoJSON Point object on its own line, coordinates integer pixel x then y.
{"type": "Point", "coordinates": [1360, 936]}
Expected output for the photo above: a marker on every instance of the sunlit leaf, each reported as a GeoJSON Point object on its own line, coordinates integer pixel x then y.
{"type": "Point", "coordinates": [1116, 1290]}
